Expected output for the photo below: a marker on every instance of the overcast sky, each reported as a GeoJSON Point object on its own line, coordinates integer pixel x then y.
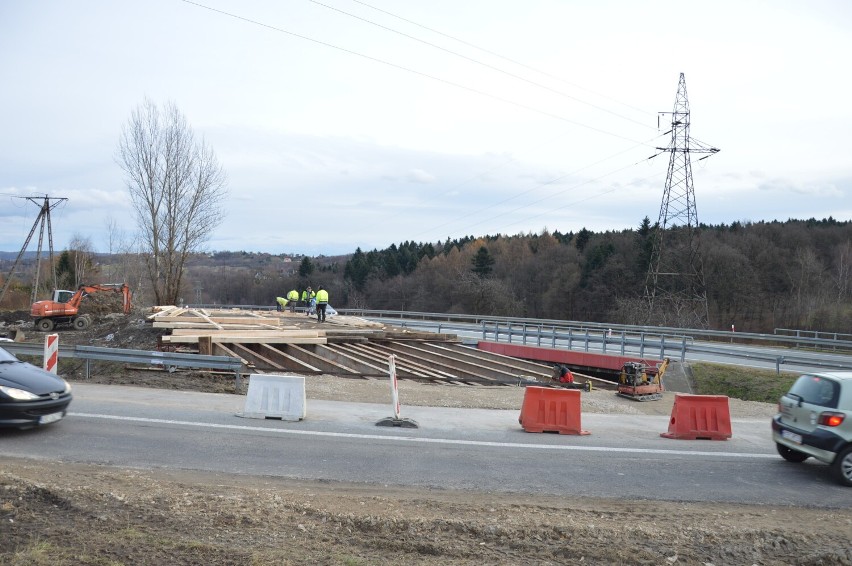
{"type": "Point", "coordinates": [345, 124]}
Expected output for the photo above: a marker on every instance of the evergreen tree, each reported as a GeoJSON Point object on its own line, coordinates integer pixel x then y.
{"type": "Point", "coordinates": [482, 262]}
{"type": "Point", "coordinates": [306, 267]}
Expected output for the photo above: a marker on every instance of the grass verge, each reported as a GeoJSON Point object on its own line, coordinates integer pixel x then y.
{"type": "Point", "coordinates": [742, 383]}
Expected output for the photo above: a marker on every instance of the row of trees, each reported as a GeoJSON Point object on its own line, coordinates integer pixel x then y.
{"type": "Point", "coordinates": [760, 276]}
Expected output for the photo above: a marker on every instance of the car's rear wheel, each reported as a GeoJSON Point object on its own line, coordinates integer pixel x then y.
{"type": "Point", "coordinates": [842, 466]}
{"type": "Point", "coordinates": [791, 455]}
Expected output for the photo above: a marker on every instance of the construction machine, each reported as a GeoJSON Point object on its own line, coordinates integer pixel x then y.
{"type": "Point", "coordinates": [64, 307]}
{"type": "Point", "coordinates": [640, 382]}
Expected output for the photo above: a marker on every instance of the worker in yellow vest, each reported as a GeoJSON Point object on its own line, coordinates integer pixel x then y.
{"type": "Point", "coordinates": [308, 299]}
{"type": "Point", "coordinates": [282, 302]}
{"type": "Point", "coordinates": [292, 299]}
{"type": "Point", "coordinates": [322, 302]}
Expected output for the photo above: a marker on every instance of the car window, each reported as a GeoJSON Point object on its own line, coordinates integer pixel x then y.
{"type": "Point", "coordinates": [817, 390]}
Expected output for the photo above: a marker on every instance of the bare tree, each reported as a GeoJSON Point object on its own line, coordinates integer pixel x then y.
{"type": "Point", "coordinates": [177, 187]}
{"type": "Point", "coordinates": [83, 255]}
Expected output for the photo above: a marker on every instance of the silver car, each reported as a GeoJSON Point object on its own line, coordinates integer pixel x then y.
{"type": "Point", "coordinates": [815, 420]}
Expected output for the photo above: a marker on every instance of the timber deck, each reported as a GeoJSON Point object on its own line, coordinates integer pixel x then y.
{"type": "Point", "coordinates": [284, 342]}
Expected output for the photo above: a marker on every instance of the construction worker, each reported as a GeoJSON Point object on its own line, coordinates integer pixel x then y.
{"type": "Point", "coordinates": [308, 298]}
{"type": "Point", "coordinates": [282, 302]}
{"type": "Point", "coordinates": [292, 298]}
{"type": "Point", "coordinates": [322, 302]}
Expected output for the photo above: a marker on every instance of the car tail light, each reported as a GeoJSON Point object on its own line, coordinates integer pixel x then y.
{"type": "Point", "coordinates": [831, 419]}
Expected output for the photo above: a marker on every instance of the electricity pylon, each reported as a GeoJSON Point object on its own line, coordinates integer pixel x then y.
{"type": "Point", "coordinates": [674, 287]}
{"type": "Point", "coordinates": [43, 218]}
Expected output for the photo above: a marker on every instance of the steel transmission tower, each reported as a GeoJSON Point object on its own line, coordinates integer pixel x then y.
{"type": "Point", "coordinates": [675, 287]}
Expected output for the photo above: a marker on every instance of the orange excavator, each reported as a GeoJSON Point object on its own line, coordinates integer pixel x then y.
{"type": "Point", "coordinates": [64, 307]}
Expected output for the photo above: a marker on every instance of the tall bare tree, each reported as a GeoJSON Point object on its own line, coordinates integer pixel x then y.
{"type": "Point", "coordinates": [177, 187]}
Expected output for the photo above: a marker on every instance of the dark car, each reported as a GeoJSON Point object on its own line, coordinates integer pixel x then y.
{"type": "Point", "coordinates": [30, 396]}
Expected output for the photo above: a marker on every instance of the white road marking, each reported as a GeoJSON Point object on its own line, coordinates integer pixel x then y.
{"type": "Point", "coordinates": [744, 455]}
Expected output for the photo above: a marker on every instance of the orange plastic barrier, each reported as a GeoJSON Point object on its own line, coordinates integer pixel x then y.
{"type": "Point", "coordinates": [551, 410]}
{"type": "Point", "coordinates": [699, 417]}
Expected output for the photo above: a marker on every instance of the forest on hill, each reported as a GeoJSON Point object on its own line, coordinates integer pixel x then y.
{"type": "Point", "coordinates": [759, 276]}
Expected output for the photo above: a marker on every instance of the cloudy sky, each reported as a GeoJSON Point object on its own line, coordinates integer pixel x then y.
{"type": "Point", "coordinates": [345, 124]}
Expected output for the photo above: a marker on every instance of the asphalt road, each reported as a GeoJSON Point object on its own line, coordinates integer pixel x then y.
{"type": "Point", "coordinates": [471, 449]}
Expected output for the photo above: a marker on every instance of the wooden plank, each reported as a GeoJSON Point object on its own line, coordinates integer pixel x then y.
{"type": "Point", "coordinates": [159, 311]}
{"type": "Point", "coordinates": [249, 321]}
{"type": "Point", "coordinates": [248, 332]}
{"type": "Point", "coordinates": [238, 339]}
{"type": "Point", "coordinates": [252, 355]}
{"type": "Point", "coordinates": [201, 324]}
{"type": "Point", "coordinates": [222, 350]}
{"type": "Point", "coordinates": [287, 360]}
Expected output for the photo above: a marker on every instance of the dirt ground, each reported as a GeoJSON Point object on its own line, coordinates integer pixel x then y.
{"type": "Point", "coordinates": [60, 513]}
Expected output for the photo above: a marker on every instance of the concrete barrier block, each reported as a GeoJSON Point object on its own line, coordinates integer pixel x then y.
{"type": "Point", "coordinates": [275, 397]}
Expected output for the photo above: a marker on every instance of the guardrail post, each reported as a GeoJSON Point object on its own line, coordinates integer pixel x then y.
{"type": "Point", "coordinates": [238, 380]}
{"type": "Point", "coordinates": [587, 340]}
{"type": "Point", "coordinates": [603, 341]}
{"type": "Point", "coordinates": [682, 350]}
{"type": "Point", "coordinates": [662, 346]}
{"type": "Point", "coordinates": [641, 344]}
{"type": "Point", "coordinates": [510, 332]}
{"type": "Point", "coordinates": [483, 331]}
{"type": "Point", "coordinates": [622, 342]}
{"type": "Point", "coordinates": [538, 342]}
{"type": "Point", "coordinates": [570, 339]}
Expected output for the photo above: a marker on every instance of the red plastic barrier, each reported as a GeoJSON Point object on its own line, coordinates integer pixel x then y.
{"type": "Point", "coordinates": [551, 410]}
{"type": "Point", "coordinates": [699, 417]}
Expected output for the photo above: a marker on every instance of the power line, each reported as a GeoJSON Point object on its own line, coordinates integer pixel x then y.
{"type": "Point", "coordinates": [571, 188]}
{"type": "Point", "coordinates": [510, 60]}
{"type": "Point", "coordinates": [550, 182]}
{"type": "Point", "coordinates": [450, 83]}
{"type": "Point", "coordinates": [471, 59]}
{"type": "Point", "coordinates": [412, 71]}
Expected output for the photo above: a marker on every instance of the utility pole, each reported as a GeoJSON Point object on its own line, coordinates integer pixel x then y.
{"type": "Point", "coordinates": [43, 219]}
{"type": "Point", "coordinates": [675, 287]}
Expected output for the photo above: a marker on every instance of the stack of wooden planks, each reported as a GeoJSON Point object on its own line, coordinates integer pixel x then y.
{"type": "Point", "coordinates": [226, 326]}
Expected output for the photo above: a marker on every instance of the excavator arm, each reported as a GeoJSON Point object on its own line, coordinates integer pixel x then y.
{"type": "Point", "coordinates": [49, 313]}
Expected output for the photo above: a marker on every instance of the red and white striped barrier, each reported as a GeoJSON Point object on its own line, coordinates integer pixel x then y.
{"type": "Point", "coordinates": [51, 352]}
{"type": "Point", "coordinates": [394, 386]}
{"type": "Point", "coordinates": [395, 420]}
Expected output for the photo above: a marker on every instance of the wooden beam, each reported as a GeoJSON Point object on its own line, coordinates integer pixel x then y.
{"type": "Point", "coordinates": [239, 339]}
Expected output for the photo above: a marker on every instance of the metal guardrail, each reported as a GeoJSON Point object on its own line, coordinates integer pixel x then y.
{"type": "Point", "coordinates": [796, 338]}
{"type": "Point", "coordinates": [168, 360]}
{"type": "Point", "coordinates": [663, 345]}
{"type": "Point", "coordinates": [728, 336]}
{"type": "Point", "coordinates": [666, 341]}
